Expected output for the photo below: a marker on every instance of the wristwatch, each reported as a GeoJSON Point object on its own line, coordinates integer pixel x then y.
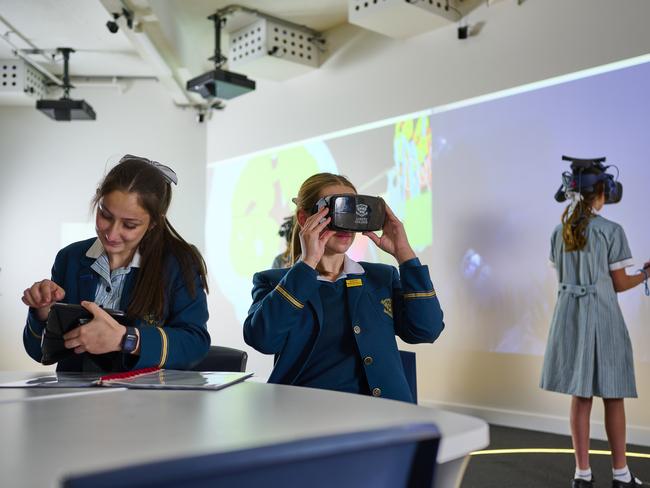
{"type": "Point", "coordinates": [129, 341]}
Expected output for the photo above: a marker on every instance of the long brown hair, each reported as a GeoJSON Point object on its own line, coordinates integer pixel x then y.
{"type": "Point", "coordinates": [161, 239]}
{"type": "Point", "coordinates": [307, 197]}
{"type": "Point", "coordinates": [574, 224]}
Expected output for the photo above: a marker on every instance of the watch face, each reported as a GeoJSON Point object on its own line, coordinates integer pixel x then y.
{"type": "Point", "coordinates": [130, 341]}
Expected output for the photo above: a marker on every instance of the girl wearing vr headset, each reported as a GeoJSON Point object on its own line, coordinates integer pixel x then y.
{"type": "Point", "coordinates": [137, 263]}
{"type": "Point", "coordinates": [589, 352]}
{"type": "Point", "coordinates": [330, 321]}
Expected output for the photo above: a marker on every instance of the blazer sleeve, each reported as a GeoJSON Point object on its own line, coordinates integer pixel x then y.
{"type": "Point", "coordinates": [34, 328]}
{"type": "Point", "coordinates": [278, 307]}
{"type": "Point", "coordinates": [417, 313]}
{"type": "Point", "coordinates": [182, 339]}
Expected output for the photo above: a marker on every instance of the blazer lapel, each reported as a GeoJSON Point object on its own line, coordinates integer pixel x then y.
{"type": "Point", "coordinates": [87, 280]}
{"type": "Point", "coordinates": [355, 288]}
{"type": "Point", "coordinates": [317, 305]}
{"type": "Point", "coordinates": [129, 283]}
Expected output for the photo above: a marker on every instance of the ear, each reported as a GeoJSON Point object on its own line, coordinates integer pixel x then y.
{"type": "Point", "coordinates": [302, 216]}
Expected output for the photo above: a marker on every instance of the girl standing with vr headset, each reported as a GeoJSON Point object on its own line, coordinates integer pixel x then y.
{"type": "Point", "coordinates": [589, 351]}
{"type": "Point", "coordinates": [330, 321]}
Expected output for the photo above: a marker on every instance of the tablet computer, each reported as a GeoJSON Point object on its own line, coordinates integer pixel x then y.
{"type": "Point", "coordinates": [63, 318]}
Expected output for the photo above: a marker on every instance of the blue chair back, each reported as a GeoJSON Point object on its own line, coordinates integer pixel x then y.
{"type": "Point", "coordinates": [395, 457]}
{"type": "Point", "coordinates": [408, 362]}
{"type": "Point", "coordinates": [221, 358]}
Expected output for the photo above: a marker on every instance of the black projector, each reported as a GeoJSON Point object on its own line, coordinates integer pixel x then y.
{"type": "Point", "coordinates": [220, 84]}
{"type": "Point", "coordinates": [66, 109]}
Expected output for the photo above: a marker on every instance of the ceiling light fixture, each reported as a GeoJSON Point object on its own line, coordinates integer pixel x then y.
{"type": "Point", "coordinates": [65, 108]}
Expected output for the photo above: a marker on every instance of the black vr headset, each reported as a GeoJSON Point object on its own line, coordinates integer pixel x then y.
{"type": "Point", "coordinates": [354, 213]}
{"type": "Point", "coordinates": [583, 177]}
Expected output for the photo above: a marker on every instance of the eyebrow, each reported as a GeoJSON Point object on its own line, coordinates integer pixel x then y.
{"type": "Point", "coordinates": [104, 209]}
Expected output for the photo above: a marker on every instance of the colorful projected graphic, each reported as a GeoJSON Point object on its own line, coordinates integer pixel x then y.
{"type": "Point", "coordinates": [247, 202]}
{"type": "Point", "coordinates": [408, 189]}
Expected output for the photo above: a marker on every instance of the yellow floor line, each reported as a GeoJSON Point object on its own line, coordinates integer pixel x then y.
{"type": "Point", "coordinates": [552, 451]}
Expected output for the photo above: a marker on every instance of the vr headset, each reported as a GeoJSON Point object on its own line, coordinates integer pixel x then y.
{"type": "Point", "coordinates": [354, 213]}
{"type": "Point", "coordinates": [583, 177]}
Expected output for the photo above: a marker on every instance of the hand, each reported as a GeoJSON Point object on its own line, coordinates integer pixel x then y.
{"type": "Point", "coordinates": [101, 335]}
{"type": "Point", "coordinates": [41, 295]}
{"type": "Point", "coordinates": [393, 239]}
{"type": "Point", "coordinates": [313, 237]}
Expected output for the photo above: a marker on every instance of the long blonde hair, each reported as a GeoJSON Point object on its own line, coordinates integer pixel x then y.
{"type": "Point", "coordinates": [307, 197]}
{"type": "Point", "coordinates": [574, 224]}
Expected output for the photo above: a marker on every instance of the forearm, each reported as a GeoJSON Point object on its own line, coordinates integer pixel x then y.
{"type": "Point", "coordinates": [418, 315]}
{"type": "Point", "coordinates": [278, 309]}
{"type": "Point", "coordinates": [623, 282]}
{"type": "Point", "coordinates": [32, 336]}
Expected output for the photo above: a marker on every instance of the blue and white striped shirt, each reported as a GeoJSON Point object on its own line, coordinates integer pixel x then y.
{"type": "Point", "coordinates": [111, 283]}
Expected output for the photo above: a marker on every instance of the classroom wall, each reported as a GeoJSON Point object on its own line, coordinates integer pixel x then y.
{"type": "Point", "coordinates": [367, 77]}
{"type": "Point", "coordinates": [48, 174]}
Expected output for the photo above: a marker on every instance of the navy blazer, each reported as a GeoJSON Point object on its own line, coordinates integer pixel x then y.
{"type": "Point", "coordinates": [179, 341]}
{"type": "Point", "coordinates": [287, 313]}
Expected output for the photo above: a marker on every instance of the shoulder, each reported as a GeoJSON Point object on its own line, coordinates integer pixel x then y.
{"type": "Point", "coordinates": [378, 270]}
{"type": "Point", "coordinates": [606, 226]}
{"type": "Point", "coordinates": [269, 276]}
{"type": "Point", "coordinates": [76, 249]}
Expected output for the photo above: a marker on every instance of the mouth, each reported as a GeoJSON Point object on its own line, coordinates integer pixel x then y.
{"type": "Point", "coordinates": [343, 235]}
{"type": "Point", "coordinates": [111, 243]}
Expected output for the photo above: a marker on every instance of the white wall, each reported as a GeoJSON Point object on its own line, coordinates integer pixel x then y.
{"type": "Point", "coordinates": [368, 77]}
{"type": "Point", "coordinates": [49, 171]}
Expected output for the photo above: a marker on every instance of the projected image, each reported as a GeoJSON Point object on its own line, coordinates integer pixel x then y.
{"type": "Point", "coordinates": [249, 197]}
{"type": "Point", "coordinates": [473, 184]}
{"type": "Point", "coordinates": [494, 211]}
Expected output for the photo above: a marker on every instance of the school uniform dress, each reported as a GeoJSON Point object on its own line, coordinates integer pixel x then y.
{"type": "Point", "coordinates": [178, 341]}
{"type": "Point", "coordinates": [341, 335]}
{"type": "Point", "coordinates": [589, 351]}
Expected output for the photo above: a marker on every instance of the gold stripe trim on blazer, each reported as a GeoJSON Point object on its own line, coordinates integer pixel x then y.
{"type": "Point", "coordinates": [163, 349]}
{"type": "Point", "coordinates": [288, 297]}
{"type": "Point", "coordinates": [421, 294]}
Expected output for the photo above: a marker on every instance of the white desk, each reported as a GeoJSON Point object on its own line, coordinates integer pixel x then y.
{"type": "Point", "coordinates": [45, 439]}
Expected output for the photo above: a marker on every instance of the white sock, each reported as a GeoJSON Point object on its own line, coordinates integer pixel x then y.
{"type": "Point", "coordinates": [622, 474]}
{"type": "Point", "coordinates": [583, 474]}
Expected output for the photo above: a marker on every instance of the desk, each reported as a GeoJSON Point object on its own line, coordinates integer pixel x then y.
{"type": "Point", "coordinates": [46, 439]}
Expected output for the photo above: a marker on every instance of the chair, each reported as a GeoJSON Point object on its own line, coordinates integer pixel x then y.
{"type": "Point", "coordinates": [408, 362]}
{"type": "Point", "coordinates": [222, 358]}
{"type": "Point", "coordinates": [394, 457]}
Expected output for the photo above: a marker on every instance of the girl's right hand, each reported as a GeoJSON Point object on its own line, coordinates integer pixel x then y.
{"type": "Point", "coordinates": [41, 295]}
{"type": "Point", "coordinates": [314, 236]}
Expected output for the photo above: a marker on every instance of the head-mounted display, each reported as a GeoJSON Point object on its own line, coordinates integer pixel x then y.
{"type": "Point", "coordinates": [583, 177]}
{"type": "Point", "coordinates": [354, 213]}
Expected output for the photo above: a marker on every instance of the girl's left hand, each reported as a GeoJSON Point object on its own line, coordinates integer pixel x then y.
{"type": "Point", "coordinates": [101, 335]}
{"type": "Point", "coordinates": [393, 239]}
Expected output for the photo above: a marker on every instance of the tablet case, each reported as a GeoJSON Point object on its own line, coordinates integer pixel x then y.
{"type": "Point", "coordinates": [63, 318]}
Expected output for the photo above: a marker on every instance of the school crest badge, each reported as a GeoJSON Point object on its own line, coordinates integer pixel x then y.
{"type": "Point", "coordinates": [388, 306]}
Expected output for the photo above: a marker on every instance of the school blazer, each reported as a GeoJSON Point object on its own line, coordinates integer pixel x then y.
{"type": "Point", "coordinates": [286, 316]}
{"type": "Point", "coordinates": [179, 341]}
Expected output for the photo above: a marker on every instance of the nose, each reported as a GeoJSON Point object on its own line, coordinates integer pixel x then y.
{"type": "Point", "coordinates": [112, 232]}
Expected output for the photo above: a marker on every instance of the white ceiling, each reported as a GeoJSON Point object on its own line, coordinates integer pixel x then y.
{"type": "Point", "coordinates": [81, 24]}
{"type": "Point", "coordinates": [172, 39]}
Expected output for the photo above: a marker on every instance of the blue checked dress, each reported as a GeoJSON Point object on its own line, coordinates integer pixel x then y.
{"type": "Point", "coordinates": [589, 351]}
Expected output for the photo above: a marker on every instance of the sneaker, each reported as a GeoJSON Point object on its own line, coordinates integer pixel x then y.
{"type": "Point", "coordinates": [580, 483]}
{"type": "Point", "coordinates": [630, 484]}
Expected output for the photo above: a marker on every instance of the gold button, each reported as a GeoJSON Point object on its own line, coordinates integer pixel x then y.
{"type": "Point", "coordinates": [367, 360]}
{"type": "Point", "coordinates": [356, 329]}
{"type": "Point", "coordinates": [376, 392]}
